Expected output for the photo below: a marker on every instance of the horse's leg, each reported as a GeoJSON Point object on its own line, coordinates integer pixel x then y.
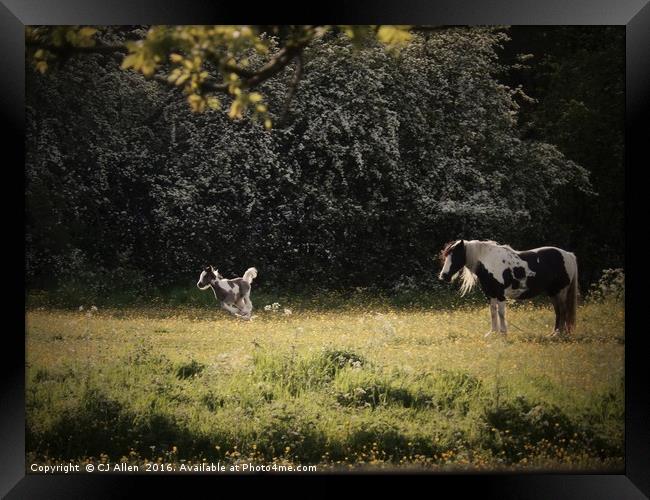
{"type": "Point", "coordinates": [245, 311]}
{"type": "Point", "coordinates": [556, 307]}
{"type": "Point", "coordinates": [493, 316]}
{"type": "Point", "coordinates": [560, 318]}
{"type": "Point", "coordinates": [563, 311]}
{"type": "Point", "coordinates": [502, 316]}
{"type": "Point", "coordinates": [249, 305]}
{"type": "Point", "coordinates": [231, 309]}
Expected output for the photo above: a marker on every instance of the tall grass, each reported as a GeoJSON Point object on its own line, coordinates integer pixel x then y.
{"type": "Point", "coordinates": [187, 296]}
{"type": "Point", "coordinates": [358, 387]}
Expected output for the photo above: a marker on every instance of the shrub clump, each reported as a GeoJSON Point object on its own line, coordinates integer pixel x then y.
{"type": "Point", "coordinates": [446, 391]}
{"type": "Point", "coordinates": [188, 370]}
{"type": "Point", "coordinates": [297, 374]}
{"type": "Point", "coordinates": [521, 429]}
{"type": "Point", "coordinates": [610, 286]}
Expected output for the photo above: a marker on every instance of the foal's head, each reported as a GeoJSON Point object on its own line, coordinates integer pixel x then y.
{"type": "Point", "coordinates": [207, 277]}
{"type": "Point", "coordinates": [452, 258]}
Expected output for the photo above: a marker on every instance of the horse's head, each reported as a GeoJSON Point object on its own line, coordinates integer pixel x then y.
{"type": "Point", "coordinates": [207, 277]}
{"type": "Point", "coordinates": [452, 258]}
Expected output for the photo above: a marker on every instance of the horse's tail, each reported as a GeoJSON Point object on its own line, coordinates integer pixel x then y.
{"type": "Point", "coordinates": [250, 274]}
{"type": "Point", "coordinates": [572, 297]}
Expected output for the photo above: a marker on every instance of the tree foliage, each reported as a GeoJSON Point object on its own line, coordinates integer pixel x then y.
{"type": "Point", "coordinates": [383, 158]}
{"type": "Point", "coordinates": [576, 76]}
{"type": "Point", "coordinates": [204, 60]}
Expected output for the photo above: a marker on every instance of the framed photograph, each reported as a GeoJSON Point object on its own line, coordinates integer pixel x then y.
{"type": "Point", "coordinates": [398, 245]}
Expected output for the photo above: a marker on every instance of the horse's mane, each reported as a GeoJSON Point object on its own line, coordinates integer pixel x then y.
{"type": "Point", "coordinates": [445, 250]}
{"type": "Point", "coordinates": [467, 277]}
{"type": "Point", "coordinates": [467, 280]}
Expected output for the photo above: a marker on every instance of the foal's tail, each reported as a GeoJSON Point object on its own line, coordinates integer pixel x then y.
{"type": "Point", "coordinates": [572, 297]}
{"type": "Point", "coordinates": [250, 274]}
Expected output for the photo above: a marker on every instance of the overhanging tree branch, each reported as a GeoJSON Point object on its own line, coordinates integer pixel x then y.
{"type": "Point", "coordinates": [250, 78]}
{"type": "Point", "coordinates": [187, 49]}
{"type": "Point", "coordinates": [292, 90]}
{"type": "Point", "coordinates": [277, 63]}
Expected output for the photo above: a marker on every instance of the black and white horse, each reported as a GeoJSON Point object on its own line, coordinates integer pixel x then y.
{"type": "Point", "coordinates": [506, 273]}
{"type": "Point", "coordinates": [233, 294]}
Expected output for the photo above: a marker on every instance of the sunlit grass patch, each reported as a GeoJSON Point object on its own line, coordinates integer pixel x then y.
{"type": "Point", "coordinates": [375, 387]}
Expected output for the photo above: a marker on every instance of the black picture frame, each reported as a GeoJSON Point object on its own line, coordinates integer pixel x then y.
{"type": "Point", "coordinates": [634, 14]}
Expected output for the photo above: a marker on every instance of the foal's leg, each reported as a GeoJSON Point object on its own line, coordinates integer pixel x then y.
{"type": "Point", "coordinates": [231, 309]}
{"type": "Point", "coordinates": [502, 316]}
{"type": "Point", "coordinates": [493, 316]}
{"type": "Point", "coordinates": [241, 304]}
{"type": "Point", "coordinates": [249, 305]}
{"type": "Point", "coordinates": [245, 311]}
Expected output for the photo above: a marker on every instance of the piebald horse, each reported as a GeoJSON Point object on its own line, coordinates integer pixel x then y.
{"type": "Point", "coordinates": [506, 273]}
{"type": "Point", "coordinates": [234, 294]}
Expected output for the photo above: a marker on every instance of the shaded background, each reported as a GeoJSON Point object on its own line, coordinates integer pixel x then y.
{"type": "Point", "coordinates": [381, 160]}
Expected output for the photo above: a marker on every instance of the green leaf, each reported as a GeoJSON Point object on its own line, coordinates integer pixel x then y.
{"type": "Point", "coordinates": [393, 35]}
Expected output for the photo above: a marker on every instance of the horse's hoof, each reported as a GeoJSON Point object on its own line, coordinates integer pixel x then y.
{"type": "Point", "coordinates": [488, 333]}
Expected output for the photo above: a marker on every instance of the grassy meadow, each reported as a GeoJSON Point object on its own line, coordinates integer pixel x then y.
{"type": "Point", "coordinates": [368, 385]}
